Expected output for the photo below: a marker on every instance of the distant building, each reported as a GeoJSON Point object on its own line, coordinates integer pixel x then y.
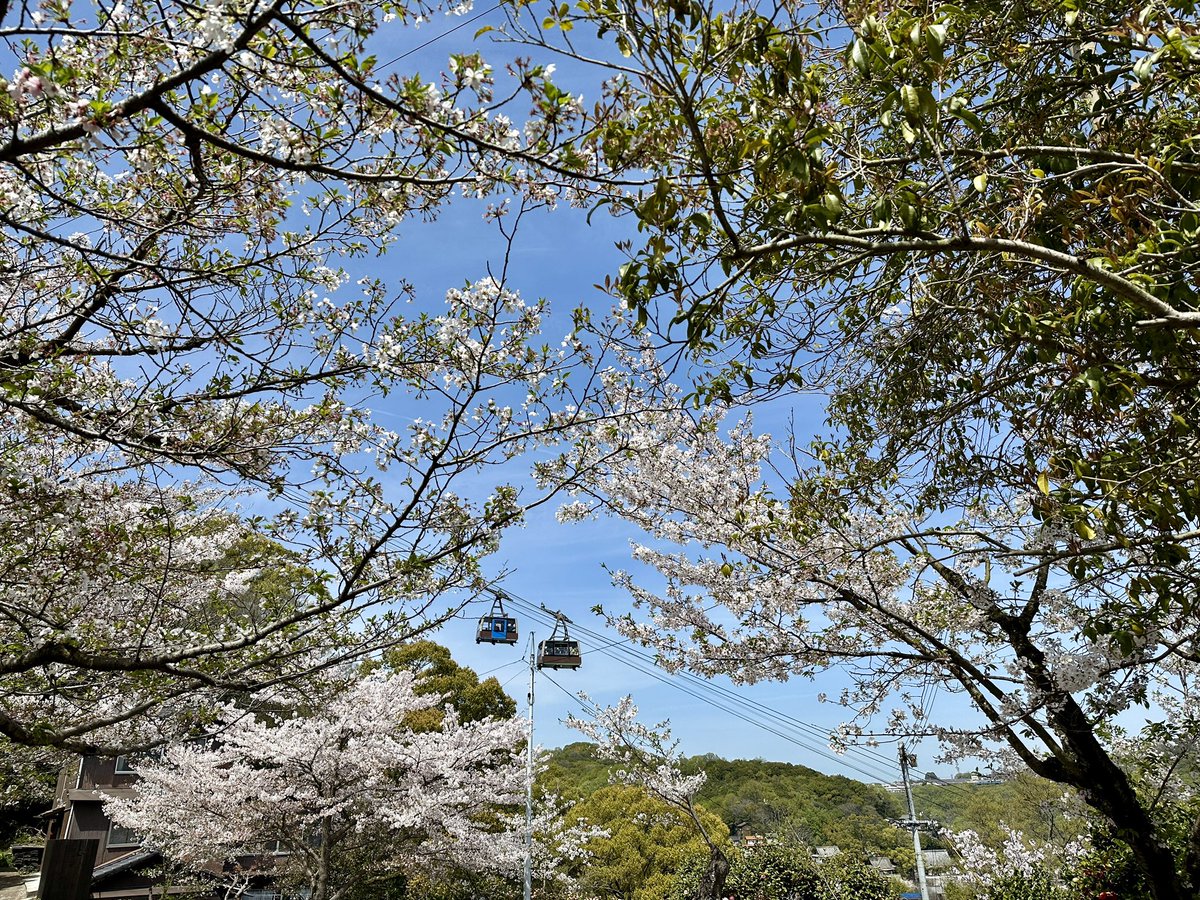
{"type": "Point", "coordinates": [78, 813]}
{"type": "Point", "coordinates": [961, 779]}
{"type": "Point", "coordinates": [750, 840]}
{"type": "Point", "coordinates": [935, 860]}
{"type": "Point", "coordinates": [883, 865]}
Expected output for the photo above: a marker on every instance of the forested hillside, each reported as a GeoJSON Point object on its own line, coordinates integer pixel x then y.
{"type": "Point", "coordinates": [1040, 809]}
{"type": "Point", "coordinates": [799, 804]}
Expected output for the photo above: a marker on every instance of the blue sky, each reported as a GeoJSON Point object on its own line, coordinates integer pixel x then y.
{"type": "Point", "coordinates": [560, 256]}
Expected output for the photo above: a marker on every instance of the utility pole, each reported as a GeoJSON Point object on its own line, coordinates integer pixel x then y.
{"type": "Point", "coordinates": [529, 777]}
{"type": "Point", "coordinates": [912, 822]}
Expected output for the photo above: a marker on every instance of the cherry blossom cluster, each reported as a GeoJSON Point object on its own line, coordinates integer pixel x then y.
{"type": "Point", "coordinates": [344, 786]}
{"type": "Point", "coordinates": [648, 755]}
{"type": "Point", "coordinates": [1018, 856]}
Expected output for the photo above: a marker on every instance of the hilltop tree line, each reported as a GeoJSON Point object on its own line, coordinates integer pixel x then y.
{"type": "Point", "coordinates": [800, 806]}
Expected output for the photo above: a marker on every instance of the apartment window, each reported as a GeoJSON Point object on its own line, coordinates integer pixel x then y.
{"type": "Point", "coordinates": [122, 837]}
{"type": "Point", "coordinates": [127, 764]}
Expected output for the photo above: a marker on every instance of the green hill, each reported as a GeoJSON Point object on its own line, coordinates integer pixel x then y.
{"type": "Point", "coordinates": [757, 797]}
{"type": "Point", "coordinates": [799, 804]}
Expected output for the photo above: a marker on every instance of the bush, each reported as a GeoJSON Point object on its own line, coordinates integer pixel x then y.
{"type": "Point", "coordinates": [789, 873]}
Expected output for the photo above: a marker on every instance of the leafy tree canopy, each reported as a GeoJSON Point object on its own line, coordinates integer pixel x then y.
{"type": "Point", "coordinates": [646, 843]}
{"type": "Point", "coordinates": [789, 872]}
{"type": "Point", "coordinates": [437, 673]}
{"type": "Point", "coordinates": [973, 228]}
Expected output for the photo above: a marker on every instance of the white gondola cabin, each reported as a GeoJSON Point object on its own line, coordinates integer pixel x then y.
{"type": "Point", "coordinates": [559, 651]}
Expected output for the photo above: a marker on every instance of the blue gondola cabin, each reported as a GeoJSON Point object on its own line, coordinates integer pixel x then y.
{"type": "Point", "coordinates": [497, 629]}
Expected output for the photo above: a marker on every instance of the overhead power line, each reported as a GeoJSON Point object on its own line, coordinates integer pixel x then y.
{"type": "Point", "coordinates": [437, 37]}
{"type": "Point", "coordinates": [705, 691]}
{"type": "Point", "coordinates": [865, 761]}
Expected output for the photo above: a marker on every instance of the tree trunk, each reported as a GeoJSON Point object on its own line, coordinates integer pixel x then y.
{"type": "Point", "coordinates": [1085, 764]}
{"type": "Point", "coordinates": [712, 882]}
{"type": "Point", "coordinates": [320, 884]}
{"type": "Point", "coordinates": [1107, 789]}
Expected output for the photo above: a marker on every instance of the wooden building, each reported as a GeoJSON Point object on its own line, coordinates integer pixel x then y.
{"type": "Point", "coordinates": [78, 814]}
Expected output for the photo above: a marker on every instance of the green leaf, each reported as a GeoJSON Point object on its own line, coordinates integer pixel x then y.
{"type": "Point", "coordinates": [957, 106]}
{"type": "Point", "coordinates": [1143, 69]}
{"type": "Point", "coordinates": [935, 40]}
{"type": "Point", "coordinates": [858, 57]}
{"type": "Point", "coordinates": [882, 211]}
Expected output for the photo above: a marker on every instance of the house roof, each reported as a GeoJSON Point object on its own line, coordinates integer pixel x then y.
{"type": "Point", "coordinates": [937, 859]}
{"type": "Point", "coordinates": [123, 863]}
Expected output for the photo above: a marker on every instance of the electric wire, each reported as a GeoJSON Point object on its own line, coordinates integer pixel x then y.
{"type": "Point", "coordinates": [883, 769]}
{"type": "Point", "coordinates": [866, 754]}
{"type": "Point", "coordinates": [509, 681]}
{"type": "Point", "coordinates": [592, 709]}
{"type": "Point", "coordinates": [932, 801]}
{"type": "Point", "coordinates": [438, 37]}
{"type": "Point", "coordinates": [645, 665]}
{"type": "Point", "coordinates": [498, 668]}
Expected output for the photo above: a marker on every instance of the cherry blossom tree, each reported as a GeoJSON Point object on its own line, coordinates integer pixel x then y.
{"type": "Point", "coordinates": [774, 569]}
{"type": "Point", "coordinates": [338, 797]}
{"type": "Point", "coordinates": [193, 495]}
{"type": "Point", "coordinates": [136, 593]}
{"type": "Point", "coordinates": [650, 758]}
